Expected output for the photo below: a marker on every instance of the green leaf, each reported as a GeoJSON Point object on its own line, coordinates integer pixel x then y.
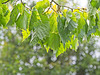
{"type": "Point", "coordinates": [81, 35]}
{"type": "Point", "coordinates": [83, 32]}
{"type": "Point", "coordinates": [44, 18]}
{"type": "Point", "coordinates": [71, 27]}
{"type": "Point", "coordinates": [33, 19]}
{"type": "Point", "coordinates": [53, 23]}
{"type": "Point", "coordinates": [54, 41]}
{"type": "Point", "coordinates": [13, 16]}
{"type": "Point", "coordinates": [42, 5]}
{"type": "Point", "coordinates": [86, 28]}
{"type": "Point", "coordinates": [93, 30]}
{"type": "Point", "coordinates": [25, 34]}
{"type": "Point", "coordinates": [41, 29]}
{"type": "Point", "coordinates": [7, 12]}
{"type": "Point", "coordinates": [47, 48]}
{"type": "Point", "coordinates": [4, 15]}
{"type": "Point", "coordinates": [81, 23]}
{"type": "Point", "coordinates": [61, 29]}
{"type": "Point", "coordinates": [92, 21]}
{"type": "Point", "coordinates": [60, 50]}
{"type": "Point", "coordinates": [75, 44]}
{"type": "Point", "coordinates": [95, 3]}
{"type": "Point", "coordinates": [2, 20]}
{"type": "Point", "coordinates": [68, 15]}
{"type": "Point", "coordinates": [20, 8]}
{"type": "Point", "coordinates": [22, 21]}
{"type": "Point", "coordinates": [34, 39]}
{"type": "Point", "coordinates": [67, 45]}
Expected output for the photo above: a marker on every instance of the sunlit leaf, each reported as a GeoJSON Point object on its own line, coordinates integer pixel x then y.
{"type": "Point", "coordinates": [25, 34]}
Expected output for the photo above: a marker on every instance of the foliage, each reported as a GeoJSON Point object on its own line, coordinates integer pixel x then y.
{"type": "Point", "coordinates": [56, 30]}
{"type": "Point", "coordinates": [22, 58]}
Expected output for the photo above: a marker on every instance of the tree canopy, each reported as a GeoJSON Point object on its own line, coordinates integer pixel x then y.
{"type": "Point", "coordinates": [55, 27]}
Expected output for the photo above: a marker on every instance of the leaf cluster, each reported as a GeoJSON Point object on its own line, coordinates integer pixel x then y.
{"type": "Point", "coordinates": [57, 31]}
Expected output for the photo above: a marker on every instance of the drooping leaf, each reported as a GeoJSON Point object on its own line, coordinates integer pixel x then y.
{"type": "Point", "coordinates": [34, 18]}
{"type": "Point", "coordinates": [60, 50]}
{"type": "Point", "coordinates": [71, 26]}
{"type": "Point", "coordinates": [86, 28]}
{"type": "Point", "coordinates": [81, 23]}
{"type": "Point", "coordinates": [22, 21]}
{"type": "Point", "coordinates": [13, 16]}
{"type": "Point", "coordinates": [61, 29]}
{"type": "Point", "coordinates": [54, 41]}
{"type": "Point", "coordinates": [42, 5]}
{"type": "Point", "coordinates": [4, 15]}
{"type": "Point", "coordinates": [93, 30]}
{"type": "Point", "coordinates": [20, 8]}
{"type": "Point", "coordinates": [34, 39]}
{"type": "Point", "coordinates": [2, 20]}
{"type": "Point", "coordinates": [42, 30]}
{"type": "Point", "coordinates": [75, 44]}
{"type": "Point", "coordinates": [53, 23]}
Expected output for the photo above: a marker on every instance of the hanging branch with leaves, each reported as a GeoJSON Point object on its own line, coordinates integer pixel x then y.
{"type": "Point", "coordinates": [51, 26]}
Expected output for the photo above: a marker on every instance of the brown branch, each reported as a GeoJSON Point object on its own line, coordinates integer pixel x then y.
{"type": "Point", "coordinates": [82, 9]}
{"type": "Point", "coordinates": [63, 6]}
{"type": "Point", "coordinates": [58, 7]}
{"type": "Point", "coordinates": [6, 2]}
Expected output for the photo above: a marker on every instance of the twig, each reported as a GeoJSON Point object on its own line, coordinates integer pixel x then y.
{"type": "Point", "coordinates": [24, 5]}
{"type": "Point", "coordinates": [5, 2]}
{"type": "Point", "coordinates": [58, 7]}
{"type": "Point", "coordinates": [49, 7]}
{"type": "Point", "coordinates": [54, 10]}
{"type": "Point", "coordinates": [62, 6]}
{"type": "Point", "coordinates": [68, 7]}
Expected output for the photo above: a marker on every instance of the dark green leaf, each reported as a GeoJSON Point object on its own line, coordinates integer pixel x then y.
{"type": "Point", "coordinates": [71, 27]}
{"type": "Point", "coordinates": [61, 29]}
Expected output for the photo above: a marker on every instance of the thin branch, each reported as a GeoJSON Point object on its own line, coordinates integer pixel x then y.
{"type": "Point", "coordinates": [24, 5]}
{"type": "Point", "coordinates": [68, 7]}
{"type": "Point", "coordinates": [5, 2]}
{"type": "Point", "coordinates": [49, 7]}
{"type": "Point", "coordinates": [54, 10]}
{"type": "Point", "coordinates": [63, 6]}
{"type": "Point", "coordinates": [82, 9]}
